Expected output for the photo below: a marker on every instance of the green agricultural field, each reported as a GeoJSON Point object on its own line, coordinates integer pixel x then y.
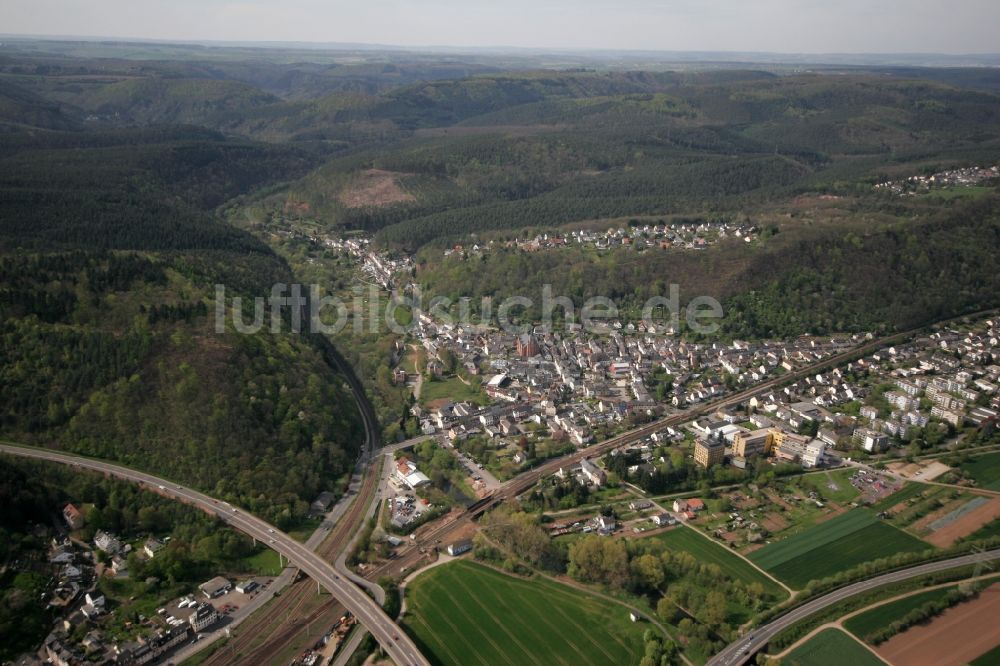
{"type": "Point", "coordinates": [990, 529]}
{"type": "Point", "coordinates": [985, 470]}
{"type": "Point", "coordinates": [930, 500]}
{"type": "Point", "coordinates": [464, 613]}
{"type": "Point", "coordinates": [682, 538]}
{"type": "Point", "coordinates": [831, 647]}
{"type": "Point", "coordinates": [838, 544]}
{"type": "Point", "coordinates": [817, 536]}
{"type": "Point", "coordinates": [878, 618]}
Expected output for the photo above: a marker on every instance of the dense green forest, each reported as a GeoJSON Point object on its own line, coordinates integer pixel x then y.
{"type": "Point", "coordinates": [506, 151]}
{"type": "Point", "coordinates": [102, 357]}
{"type": "Point", "coordinates": [131, 188]}
{"type": "Point", "coordinates": [848, 277]}
{"type": "Point", "coordinates": [109, 253]}
{"type": "Point", "coordinates": [114, 355]}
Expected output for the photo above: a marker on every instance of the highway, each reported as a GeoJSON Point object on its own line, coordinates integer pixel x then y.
{"type": "Point", "coordinates": [741, 651]}
{"type": "Point", "coordinates": [393, 640]}
{"type": "Point", "coordinates": [276, 627]}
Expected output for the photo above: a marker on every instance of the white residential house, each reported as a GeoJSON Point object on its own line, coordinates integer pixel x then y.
{"type": "Point", "coordinates": [606, 524]}
{"type": "Point", "coordinates": [663, 519]}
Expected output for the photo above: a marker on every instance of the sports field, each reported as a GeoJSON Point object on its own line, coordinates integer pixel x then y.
{"type": "Point", "coordinates": [706, 550]}
{"type": "Point", "coordinates": [882, 616]}
{"type": "Point", "coordinates": [985, 470]}
{"type": "Point", "coordinates": [833, 546]}
{"type": "Point", "coordinates": [831, 647]}
{"type": "Point", "coordinates": [463, 613]}
{"type": "Point", "coordinates": [834, 486]}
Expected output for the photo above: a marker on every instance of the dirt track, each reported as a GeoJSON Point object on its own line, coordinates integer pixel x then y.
{"type": "Point", "coordinates": [955, 637]}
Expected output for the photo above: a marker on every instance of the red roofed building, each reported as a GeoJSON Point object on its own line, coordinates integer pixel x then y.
{"type": "Point", "coordinates": [688, 506]}
{"type": "Point", "coordinates": [404, 466]}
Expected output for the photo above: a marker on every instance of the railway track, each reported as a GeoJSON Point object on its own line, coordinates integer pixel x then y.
{"type": "Point", "coordinates": [250, 631]}
{"type": "Point", "coordinates": [283, 638]}
{"type": "Point", "coordinates": [233, 651]}
{"type": "Point", "coordinates": [339, 535]}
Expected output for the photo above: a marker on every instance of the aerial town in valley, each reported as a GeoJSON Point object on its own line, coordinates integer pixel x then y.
{"type": "Point", "coordinates": [870, 424]}
{"type": "Point", "coordinates": [384, 268]}
{"type": "Point", "coordinates": [352, 352]}
{"type": "Point", "coordinates": [542, 394]}
{"type": "Point", "coordinates": [570, 383]}
{"type": "Point", "coordinates": [563, 388]}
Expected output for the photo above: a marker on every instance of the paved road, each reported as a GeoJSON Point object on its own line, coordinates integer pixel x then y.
{"type": "Point", "coordinates": [278, 584]}
{"type": "Point", "coordinates": [742, 650]}
{"type": "Point", "coordinates": [395, 642]}
{"type": "Point", "coordinates": [471, 468]}
{"type": "Point", "coordinates": [347, 650]}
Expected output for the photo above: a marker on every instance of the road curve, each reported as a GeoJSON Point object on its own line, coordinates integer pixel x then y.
{"type": "Point", "coordinates": [393, 640]}
{"type": "Point", "coordinates": [739, 652]}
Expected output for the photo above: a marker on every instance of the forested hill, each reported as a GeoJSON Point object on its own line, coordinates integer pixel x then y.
{"type": "Point", "coordinates": [132, 188]}
{"type": "Point", "coordinates": [856, 276]}
{"type": "Point", "coordinates": [544, 149]}
{"type": "Point", "coordinates": [109, 253]}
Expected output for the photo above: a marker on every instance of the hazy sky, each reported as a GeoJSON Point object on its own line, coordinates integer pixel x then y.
{"type": "Point", "coordinates": [804, 26]}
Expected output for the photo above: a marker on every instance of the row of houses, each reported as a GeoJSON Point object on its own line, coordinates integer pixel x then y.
{"type": "Point", "coordinates": [679, 235]}
{"type": "Point", "coordinates": [948, 376]}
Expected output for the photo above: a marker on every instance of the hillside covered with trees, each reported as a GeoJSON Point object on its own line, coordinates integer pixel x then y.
{"type": "Point", "coordinates": [109, 253]}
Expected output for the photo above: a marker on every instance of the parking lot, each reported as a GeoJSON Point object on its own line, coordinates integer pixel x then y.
{"type": "Point", "coordinates": [226, 604]}
{"type": "Point", "coordinates": [482, 480]}
{"type": "Point", "coordinates": [873, 486]}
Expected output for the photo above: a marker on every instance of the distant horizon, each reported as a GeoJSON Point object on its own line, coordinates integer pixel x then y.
{"type": "Point", "coordinates": [500, 48]}
{"type": "Point", "coordinates": [797, 27]}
